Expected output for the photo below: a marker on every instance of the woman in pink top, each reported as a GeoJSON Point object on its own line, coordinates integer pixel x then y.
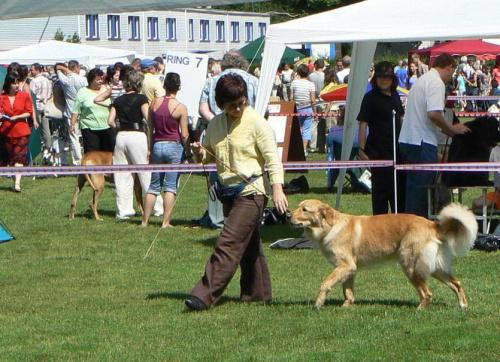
{"type": "Point", "coordinates": [496, 70]}
{"type": "Point", "coordinates": [170, 140]}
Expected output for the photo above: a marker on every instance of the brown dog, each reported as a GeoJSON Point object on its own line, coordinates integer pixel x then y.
{"type": "Point", "coordinates": [421, 246]}
{"type": "Point", "coordinates": [97, 181]}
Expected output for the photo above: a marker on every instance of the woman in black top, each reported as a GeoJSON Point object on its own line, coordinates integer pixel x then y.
{"type": "Point", "coordinates": [376, 113]}
{"type": "Point", "coordinates": [132, 144]}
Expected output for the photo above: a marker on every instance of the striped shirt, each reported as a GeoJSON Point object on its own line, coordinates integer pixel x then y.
{"type": "Point", "coordinates": [41, 86]}
{"type": "Point", "coordinates": [302, 89]}
{"type": "Point", "coordinates": [71, 83]}
{"type": "Point", "coordinates": [208, 92]}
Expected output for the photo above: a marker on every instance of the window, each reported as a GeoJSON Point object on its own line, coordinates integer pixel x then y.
{"type": "Point", "coordinates": [153, 28]}
{"type": "Point", "coordinates": [171, 29]}
{"type": "Point", "coordinates": [113, 26]}
{"type": "Point", "coordinates": [235, 31]}
{"type": "Point", "coordinates": [134, 29]}
{"type": "Point", "coordinates": [204, 30]}
{"type": "Point", "coordinates": [221, 30]}
{"type": "Point", "coordinates": [248, 32]}
{"type": "Point", "coordinates": [262, 29]}
{"type": "Point", "coordinates": [191, 30]}
{"type": "Point", "coordinates": [92, 26]}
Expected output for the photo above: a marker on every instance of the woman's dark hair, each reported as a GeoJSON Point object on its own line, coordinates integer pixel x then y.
{"type": "Point", "coordinates": [229, 88]}
{"type": "Point", "coordinates": [13, 67]}
{"type": "Point", "coordinates": [331, 75]}
{"type": "Point", "coordinates": [172, 82]}
{"type": "Point", "coordinates": [10, 78]}
{"type": "Point", "coordinates": [93, 74]}
{"type": "Point", "coordinates": [303, 71]}
{"type": "Point", "coordinates": [23, 72]}
{"type": "Point", "coordinates": [110, 72]}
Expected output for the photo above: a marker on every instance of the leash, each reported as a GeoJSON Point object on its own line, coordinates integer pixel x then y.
{"type": "Point", "coordinates": [152, 246]}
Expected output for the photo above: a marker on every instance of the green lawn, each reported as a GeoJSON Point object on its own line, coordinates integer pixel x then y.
{"type": "Point", "coordinates": [82, 290]}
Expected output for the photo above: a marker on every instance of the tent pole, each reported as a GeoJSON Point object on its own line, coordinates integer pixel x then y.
{"type": "Point", "coordinates": [394, 160]}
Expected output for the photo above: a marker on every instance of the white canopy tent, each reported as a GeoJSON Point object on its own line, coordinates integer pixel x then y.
{"type": "Point", "coordinates": [51, 52]}
{"type": "Point", "coordinates": [365, 24]}
{"type": "Point", "coordinates": [17, 9]}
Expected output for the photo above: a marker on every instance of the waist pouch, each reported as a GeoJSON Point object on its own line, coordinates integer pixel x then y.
{"type": "Point", "coordinates": [227, 194]}
{"type": "Point", "coordinates": [124, 126]}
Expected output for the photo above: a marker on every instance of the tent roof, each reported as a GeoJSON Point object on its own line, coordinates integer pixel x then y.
{"type": "Point", "coordinates": [53, 51]}
{"type": "Point", "coordinates": [253, 52]}
{"type": "Point", "coordinates": [383, 21]}
{"type": "Point", "coordinates": [461, 47]}
{"type": "Point", "coordinates": [17, 9]}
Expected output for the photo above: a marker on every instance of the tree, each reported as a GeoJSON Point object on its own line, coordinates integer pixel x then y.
{"type": "Point", "coordinates": [60, 36]}
{"type": "Point", "coordinates": [75, 38]}
{"type": "Point", "coordinates": [283, 10]}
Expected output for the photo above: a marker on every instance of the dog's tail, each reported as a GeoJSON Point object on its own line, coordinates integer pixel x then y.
{"type": "Point", "coordinates": [457, 227]}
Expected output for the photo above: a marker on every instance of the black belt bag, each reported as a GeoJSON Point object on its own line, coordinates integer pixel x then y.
{"type": "Point", "coordinates": [228, 194]}
{"type": "Point", "coordinates": [131, 127]}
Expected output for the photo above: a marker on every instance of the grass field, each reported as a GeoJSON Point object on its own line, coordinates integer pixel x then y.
{"type": "Point", "coordinates": [82, 290]}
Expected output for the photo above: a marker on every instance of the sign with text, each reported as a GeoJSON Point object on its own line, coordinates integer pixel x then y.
{"type": "Point", "coordinates": [192, 69]}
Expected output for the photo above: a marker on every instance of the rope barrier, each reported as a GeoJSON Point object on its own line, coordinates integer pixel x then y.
{"type": "Point", "coordinates": [452, 166]}
{"type": "Point", "coordinates": [287, 166]}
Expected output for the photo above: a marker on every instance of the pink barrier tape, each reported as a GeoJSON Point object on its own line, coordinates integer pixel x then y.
{"type": "Point", "coordinates": [475, 114]}
{"type": "Point", "coordinates": [288, 166]}
{"type": "Point", "coordinates": [479, 98]}
{"type": "Point", "coordinates": [313, 114]}
{"type": "Point", "coordinates": [336, 114]}
{"type": "Point", "coordinates": [452, 166]}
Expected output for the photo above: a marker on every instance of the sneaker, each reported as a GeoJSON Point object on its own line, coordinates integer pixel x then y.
{"type": "Point", "coordinates": [16, 188]}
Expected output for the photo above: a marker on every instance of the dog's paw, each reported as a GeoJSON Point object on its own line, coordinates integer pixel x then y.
{"type": "Point", "coordinates": [319, 303]}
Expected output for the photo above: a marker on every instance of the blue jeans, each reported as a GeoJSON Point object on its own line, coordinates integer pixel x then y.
{"type": "Point", "coordinates": [417, 181]}
{"type": "Point", "coordinates": [165, 152]}
{"type": "Point", "coordinates": [306, 122]}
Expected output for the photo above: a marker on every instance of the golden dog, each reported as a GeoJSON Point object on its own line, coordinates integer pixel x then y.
{"type": "Point", "coordinates": [97, 181]}
{"type": "Point", "coordinates": [423, 248]}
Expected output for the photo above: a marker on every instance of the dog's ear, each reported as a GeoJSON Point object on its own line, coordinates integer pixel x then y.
{"type": "Point", "coordinates": [328, 214]}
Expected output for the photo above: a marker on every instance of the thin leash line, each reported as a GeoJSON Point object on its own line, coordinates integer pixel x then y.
{"type": "Point", "coordinates": [152, 246]}
{"type": "Point", "coordinates": [235, 172]}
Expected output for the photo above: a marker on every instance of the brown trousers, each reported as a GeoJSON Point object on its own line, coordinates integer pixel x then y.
{"type": "Point", "coordinates": [239, 243]}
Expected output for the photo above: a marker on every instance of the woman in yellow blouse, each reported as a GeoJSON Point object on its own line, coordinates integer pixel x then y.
{"type": "Point", "coordinates": [240, 142]}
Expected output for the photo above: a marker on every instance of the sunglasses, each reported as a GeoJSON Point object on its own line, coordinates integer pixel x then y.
{"type": "Point", "coordinates": [233, 105]}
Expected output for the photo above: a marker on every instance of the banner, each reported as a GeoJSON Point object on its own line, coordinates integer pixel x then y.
{"type": "Point", "coordinates": [192, 69]}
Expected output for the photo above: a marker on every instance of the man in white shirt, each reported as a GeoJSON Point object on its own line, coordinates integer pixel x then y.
{"type": "Point", "coordinates": [71, 81]}
{"type": "Point", "coordinates": [286, 81]}
{"type": "Point", "coordinates": [346, 63]}
{"type": "Point", "coordinates": [318, 78]}
{"type": "Point", "coordinates": [422, 124]}
{"type": "Point", "coordinates": [41, 86]}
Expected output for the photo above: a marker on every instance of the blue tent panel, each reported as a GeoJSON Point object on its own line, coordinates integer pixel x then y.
{"type": "Point", "coordinates": [5, 234]}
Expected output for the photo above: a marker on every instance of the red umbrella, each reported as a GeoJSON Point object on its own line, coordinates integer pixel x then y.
{"type": "Point", "coordinates": [339, 92]}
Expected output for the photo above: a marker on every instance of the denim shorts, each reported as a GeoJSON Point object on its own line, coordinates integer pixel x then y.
{"type": "Point", "coordinates": [165, 152]}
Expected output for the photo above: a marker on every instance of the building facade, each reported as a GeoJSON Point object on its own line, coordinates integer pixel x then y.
{"type": "Point", "coordinates": [149, 34]}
